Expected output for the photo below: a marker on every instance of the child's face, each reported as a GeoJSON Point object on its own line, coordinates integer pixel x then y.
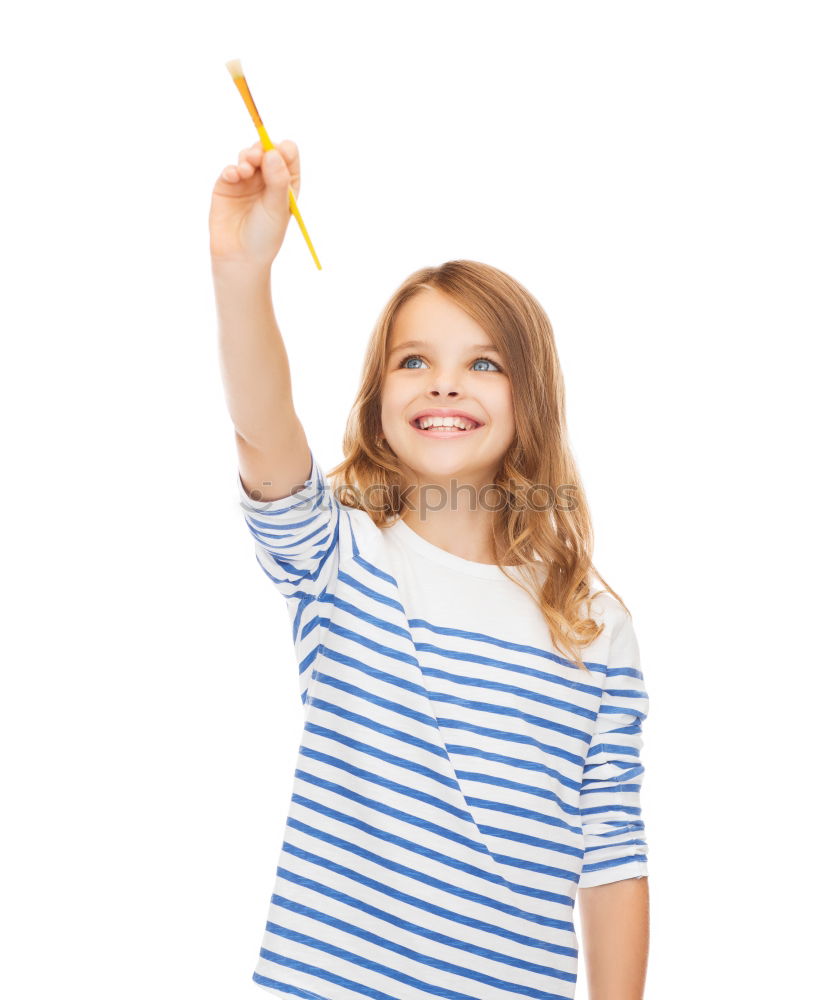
{"type": "Point", "coordinates": [453, 369]}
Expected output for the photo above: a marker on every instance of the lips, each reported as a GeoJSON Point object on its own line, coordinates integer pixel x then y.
{"type": "Point", "coordinates": [448, 428]}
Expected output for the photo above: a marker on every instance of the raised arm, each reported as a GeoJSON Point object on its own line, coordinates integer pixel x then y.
{"type": "Point", "coordinates": [248, 220]}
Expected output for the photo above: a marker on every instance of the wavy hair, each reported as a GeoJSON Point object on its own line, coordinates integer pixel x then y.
{"type": "Point", "coordinates": [550, 544]}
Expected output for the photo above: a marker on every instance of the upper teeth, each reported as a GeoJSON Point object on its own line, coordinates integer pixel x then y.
{"type": "Point", "coordinates": [465, 425]}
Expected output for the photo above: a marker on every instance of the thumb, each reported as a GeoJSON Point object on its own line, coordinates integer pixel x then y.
{"type": "Point", "coordinates": [275, 198]}
{"type": "Point", "coordinates": [274, 169]}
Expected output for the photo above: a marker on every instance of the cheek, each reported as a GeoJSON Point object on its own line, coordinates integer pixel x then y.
{"type": "Point", "coordinates": [502, 402]}
{"type": "Point", "coordinates": [392, 405]}
{"type": "Point", "coordinates": [394, 395]}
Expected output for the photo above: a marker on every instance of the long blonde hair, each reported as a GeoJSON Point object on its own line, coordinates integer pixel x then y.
{"type": "Point", "coordinates": [558, 539]}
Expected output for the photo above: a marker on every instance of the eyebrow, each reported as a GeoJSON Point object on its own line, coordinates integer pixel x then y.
{"type": "Point", "coordinates": [424, 343]}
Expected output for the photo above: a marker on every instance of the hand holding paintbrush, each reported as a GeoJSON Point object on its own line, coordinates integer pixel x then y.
{"type": "Point", "coordinates": [237, 73]}
{"type": "Point", "coordinates": [250, 206]}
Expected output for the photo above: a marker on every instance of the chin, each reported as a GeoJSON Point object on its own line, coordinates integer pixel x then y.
{"type": "Point", "coordinates": [424, 464]}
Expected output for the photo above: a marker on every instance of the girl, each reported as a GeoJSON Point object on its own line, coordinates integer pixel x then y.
{"type": "Point", "coordinates": [470, 761]}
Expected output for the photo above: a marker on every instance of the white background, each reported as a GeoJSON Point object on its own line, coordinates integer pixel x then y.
{"type": "Point", "coordinates": [648, 171]}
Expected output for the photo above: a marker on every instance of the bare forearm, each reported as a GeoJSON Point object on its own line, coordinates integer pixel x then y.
{"type": "Point", "coordinates": [252, 354]}
{"type": "Point", "coordinates": [615, 919]}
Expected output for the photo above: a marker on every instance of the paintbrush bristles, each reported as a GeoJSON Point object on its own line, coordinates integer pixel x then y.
{"type": "Point", "coordinates": [235, 68]}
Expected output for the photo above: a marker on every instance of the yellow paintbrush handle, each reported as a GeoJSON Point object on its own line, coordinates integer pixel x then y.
{"type": "Point", "coordinates": [294, 208]}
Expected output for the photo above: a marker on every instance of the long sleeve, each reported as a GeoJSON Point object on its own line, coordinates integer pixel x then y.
{"type": "Point", "coordinates": [296, 541]}
{"type": "Point", "coordinates": [613, 829]}
{"type": "Point", "coordinates": [296, 537]}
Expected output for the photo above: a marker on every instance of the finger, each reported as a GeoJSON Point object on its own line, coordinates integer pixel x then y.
{"type": "Point", "coordinates": [290, 152]}
{"type": "Point", "coordinates": [242, 170]}
{"type": "Point", "coordinates": [246, 156]}
{"type": "Point", "coordinates": [229, 174]}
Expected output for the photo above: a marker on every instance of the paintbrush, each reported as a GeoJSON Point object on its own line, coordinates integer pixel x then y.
{"type": "Point", "coordinates": [235, 68]}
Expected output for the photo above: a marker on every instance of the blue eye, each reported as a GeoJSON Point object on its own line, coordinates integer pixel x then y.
{"type": "Point", "coordinates": [490, 362]}
{"type": "Point", "coordinates": [409, 357]}
{"type": "Point", "coordinates": [417, 357]}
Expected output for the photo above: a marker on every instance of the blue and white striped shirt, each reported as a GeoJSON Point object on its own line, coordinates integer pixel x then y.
{"type": "Point", "coordinates": [457, 780]}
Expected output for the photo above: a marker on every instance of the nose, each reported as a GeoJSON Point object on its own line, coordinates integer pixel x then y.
{"type": "Point", "coordinates": [444, 384]}
{"type": "Point", "coordinates": [444, 380]}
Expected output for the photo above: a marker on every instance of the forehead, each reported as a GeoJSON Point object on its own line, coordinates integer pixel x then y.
{"type": "Point", "coordinates": [431, 317]}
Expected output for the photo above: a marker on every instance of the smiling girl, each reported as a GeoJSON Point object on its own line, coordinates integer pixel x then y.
{"type": "Point", "coordinates": [472, 693]}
